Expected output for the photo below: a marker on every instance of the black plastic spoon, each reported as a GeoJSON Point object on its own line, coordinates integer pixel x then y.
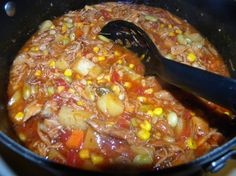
{"type": "Point", "coordinates": [215, 88]}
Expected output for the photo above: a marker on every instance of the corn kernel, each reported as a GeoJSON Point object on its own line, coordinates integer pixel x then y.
{"type": "Point", "coordinates": [84, 154]}
{"type": "Point", "coordinates": [101, 58]}
{"type": "Point", "coordinates": [101, 81]}
{"type": "Point", "coordinates": [35, 49]}
{"type": "Point", "coordinates": [52, 64]}
{"type": "Point", "coordinates": [68, 72]}
{"type": "Point", "coordinates": [178, 31]}
{"type": "Point", "coordinates": [170, 26]}
{"type": "Point", "coordinates": [89, 82]}
{"type": "Point", "coordinates": [158, 111]}
{"type": "Point", "coordinates": [120, 61]}
{"type": "Point", "coordinates": [116, 89]}
{"type": "Point", "coordinates": [19, 116]}
{"type": "Point", "coordinates": [142, 99]}
{"type": "Point", "coordinates": [38, 73]}
{"type": "Point", "coordinates": [146, 126]}
{"type": "Point", "coordinates": [96, 49]}
{"type": "Point", "coordinates": [60, 89]}
{"type": "Point", "coordinates": [150, 113]}
{"type": "Point", "coordinates": [64, 28]}
{"type": "Point", "coordinates": [127, 84]}
{"type": "Point", "coordinates": [191, 57]}
{"type": "Point", "coordinates": [148, 91]}
{"type": "Point", "coordinates": [143, 134]}
{"type": "Point", "coordinates": [117, 53]}
{"type": "Point", "coordinates": [142, 56]}
{"type": "Point", "coordinates": [131, 66]}
{"type": "Point", "coordinates": [190, 143]}
{"type": "Point", "coordinates": [80, 103]}
{"type": "Point", "coordinates": [162, 25]}
{"type": "Point", "coordinates": [107, 77]}
{"type": "Point", "coordinates": [72, 91]}
{"type": "Point", "coordinates": [96, 159]}
{"type": "Point", "coordinates": [22, 137]}
{"type": "Point", "coordinates": [227, 113]}
{"type": "Point", "coordinates": [171, 34]}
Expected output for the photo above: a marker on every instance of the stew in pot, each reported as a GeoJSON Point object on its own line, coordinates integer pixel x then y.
{"type": "Point", "coordinates": [77, 98]}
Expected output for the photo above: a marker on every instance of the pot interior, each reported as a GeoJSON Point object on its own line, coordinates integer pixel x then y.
{"type": "Point", "coordinates": [214, 19]}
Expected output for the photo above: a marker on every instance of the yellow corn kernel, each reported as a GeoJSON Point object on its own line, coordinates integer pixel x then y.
{"type": "Point", "coordinates": [131, 66]}
{"type": "Point", "coordinates": [191, 57]}
{"type": "Point", "coordinates": [19, 116]}
{"type": "Point", "coordinates": [38, 73]}
{"type": "Point", "coordinates": [227, 113]}
{"type": "Point", "coordinates": [84, 154]}
{"type": "Point", "coordinates": [104, 52]}
{"type": "Point", "coordinates": [190, 143]}
{"type": "Point", "coordinates": [148, 91]}
{"type": "Point", "coordinates": [115, 89]}
{"type": "Point", "coordinates": [192, 113]}
{"type": "Point", "coordinates": [127, 84]}
{"type": "Point", "coordinates": [171, 34]}
{"type": "Point", "coordinates": [120, 61]}
{"type": "Point", "coordinates": [80, 103]}
{"type": "Point", "coordinates": [142, 56]}
{"type": "Point", "coordinates": [35, 49]}
{"type": "Point", "coordinates": [52, 64]}
{"type": "Point", "coordinates": [101, 58]}
{"type": "Point", "coordinates": [60, 89]}
{"type": "Point", "coordinates": [96, 159]}
{"type": "Point", "coordinates": [150, 113]}
{"type": "Point", "coordinates": [107, 77]}
{"type": "Point", "coordinates": [162, 25]}
{"type": "Point", "coordinates": [143, 134]}
{"type": "Point", "coordinates": [96, 49]}
{"type": "Point", "coordinates": [100, 81]}
{"type": "Point", "coordinates": [170, 26]}
{"type": "Point", "coordinates": [158, 111]}
{"type": "Point", "coordinates": [146, 125]}
{"type": "Point", "coordinates": [72, 91]}
{"type": "Point", "coordinates": [178, 31]}
{"type": "Point", "coordinates": [68, 72]}
{"type": "Point", "coordinates": [22, 137]}
{"type": "Point", "coordinates": [142, 99]}
{"type": "Point", "coordinates": [64, 28]}
{"type": "Point", "coordinates": [117, 53]}
{"type": "Point", "coordinates": [52, 27]}
{"type": "Point", "coordinates": [89, 82]}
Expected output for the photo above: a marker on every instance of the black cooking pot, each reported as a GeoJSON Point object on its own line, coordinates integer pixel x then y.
{"type": "Point", "coordinates": [215, 19]}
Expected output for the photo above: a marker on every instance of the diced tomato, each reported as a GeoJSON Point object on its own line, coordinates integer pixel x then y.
{"type": "Point", "coordinates": [61, 82]}
{"type": "Point", "coordinates": [78, 33]}
{"type": "Point", "coordinates": [115, 77]}
{"type": "Point", "coordinates": [105, 14]}
{"type": "Point", "coordinates": [71, 158]}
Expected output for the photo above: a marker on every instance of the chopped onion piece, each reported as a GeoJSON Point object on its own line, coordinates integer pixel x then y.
{"type": "Point", "coordinates": [83, 66]}
{"type": "Point", "coordinates": [172, 119]}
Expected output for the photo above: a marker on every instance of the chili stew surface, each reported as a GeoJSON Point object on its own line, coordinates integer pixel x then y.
{"type": "Point", "coordinates": [77, 98]}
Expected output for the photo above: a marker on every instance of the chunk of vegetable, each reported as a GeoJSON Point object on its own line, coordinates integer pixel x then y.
{"type": "Point", "coordinates": [73, 119]}
{"type": "Point", "coordinates": [83, 66]}
{"type": "Point", "coordinates": [75, 139]}
{"type": "Point", "coordinates": [61, 64]}
{"type": "Point", "coordinates": [84, 154]}
{"type": "Point", "coordinates": [143, 159]}
{"type": "Point", "coordinates": [26, 91]}
{"type": "Point", "coordinates": [31, 110]}
{"type": "Point", "coordinates": [172, 119]}
{"type": "Point", "coordinates": [46, 25]}
{"type": "Point", "coordinates": [110, 105]}
{"type": "Point", "coordinates": [150, 18]}
{"type": "Point", "coordinates": [96, 159]}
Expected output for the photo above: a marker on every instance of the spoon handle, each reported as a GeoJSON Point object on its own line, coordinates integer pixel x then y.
{"type": "Point", "coordinates": [213, 87]}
